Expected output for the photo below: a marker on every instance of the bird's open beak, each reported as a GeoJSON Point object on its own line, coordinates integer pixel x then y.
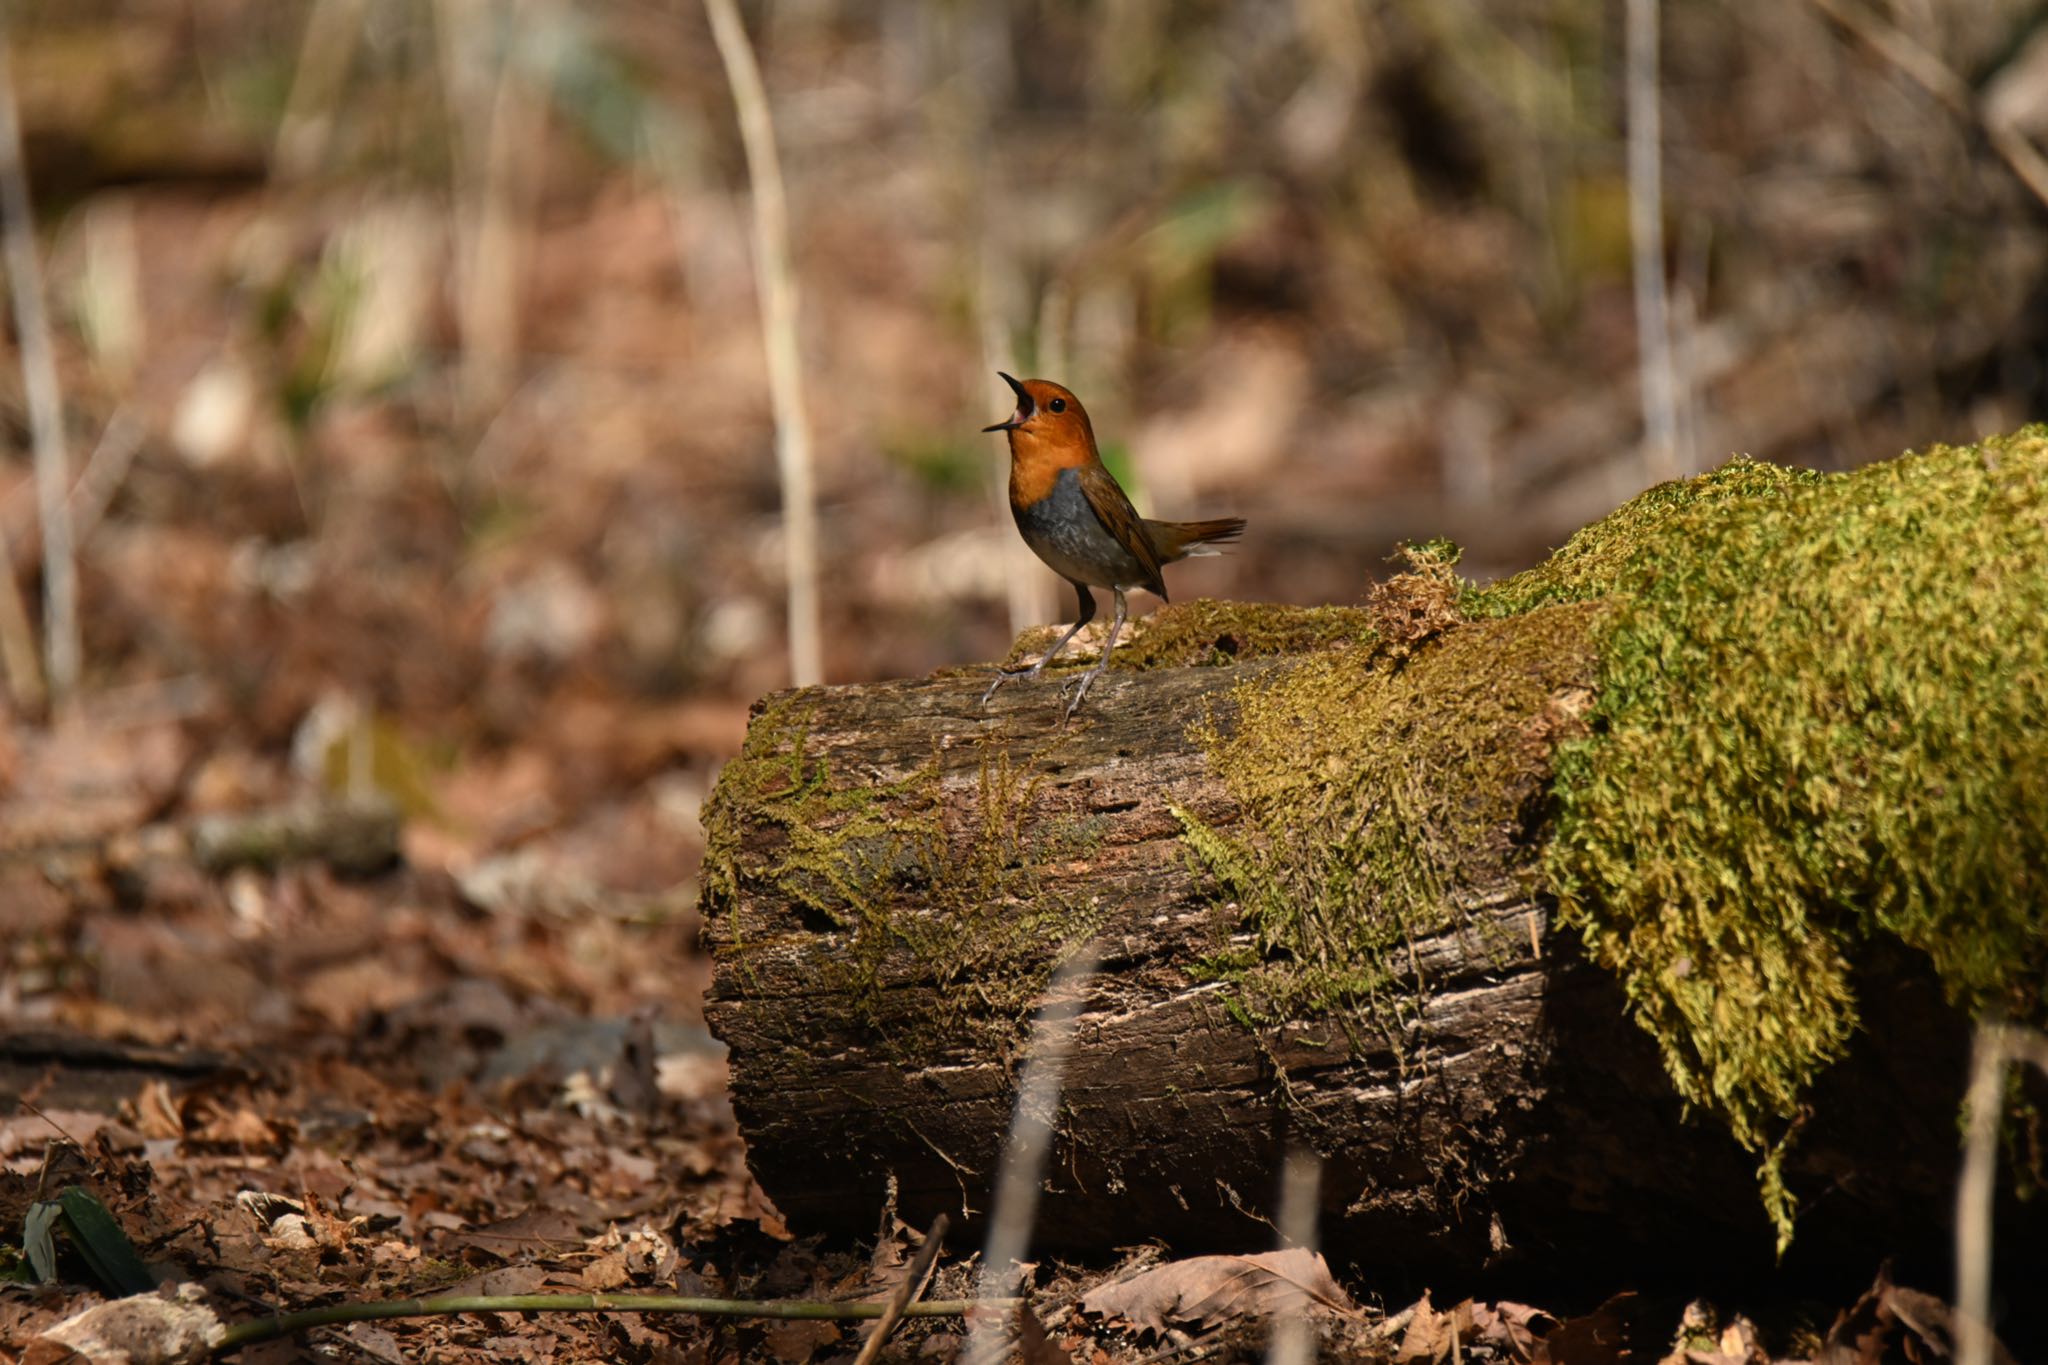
{"type": "Point", "coordinates": [1024, 407]}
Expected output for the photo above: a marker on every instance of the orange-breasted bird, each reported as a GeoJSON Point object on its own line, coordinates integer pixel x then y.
{"type": "Point", "coordinates": [1074, 516]}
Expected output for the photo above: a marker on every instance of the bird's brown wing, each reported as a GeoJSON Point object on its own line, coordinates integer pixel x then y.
{"type": "Point", "coordinates": [1122, 521]}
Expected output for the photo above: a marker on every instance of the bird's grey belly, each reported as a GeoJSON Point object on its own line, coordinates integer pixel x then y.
{"type": "Point", "coordinates": [1063, 530]}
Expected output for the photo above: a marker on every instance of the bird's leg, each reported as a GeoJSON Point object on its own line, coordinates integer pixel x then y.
{"type": "Point", "coordinates": [1081, 684]}
{"type": "Point", "coordinates": [1003, 675]}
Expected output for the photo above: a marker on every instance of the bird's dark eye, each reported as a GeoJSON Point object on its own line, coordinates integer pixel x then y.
{"type": "Point", "coordinates": [1058, 405]}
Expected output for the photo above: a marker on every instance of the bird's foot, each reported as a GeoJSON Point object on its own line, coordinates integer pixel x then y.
{"type": "Point", "coordinates": [1004, 675]}
{"type": "Point", "coordinates": [1078, 686]}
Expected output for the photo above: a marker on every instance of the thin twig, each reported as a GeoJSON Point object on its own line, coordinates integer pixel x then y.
{"type": "Point", "coordinates": [1932, 74]}
{"type": "Point", "coordinates": [1974, 1188]}
{"type": "Point", "coordinates": [285, 1324]}
{"type": "Point", "coordinates": [1912, 60]}
{"type": "Point", "coordinates": [1015, 1206]}
{"type": "Point", "coordinates": [1301, 1179]}
{"type": "Point", "coordinates": [913, 1285]}
{"type": "Point", "coordinates": [1389, 1326]}
{"type": "Point", "coordinates": [325, 52]}
{"type": "Point", "coordinates": [494, 129]}
{"type": "Point", "coordinates": [775, 282]}
{"type": "Point", "coordinates": [1186, 1352]}
{"type": "Point", "coordinates": [1997, 1046]}
{"type": "Point", "coordinates": [46, 423]}
{"type": "Point", "coordinates": [92, 492]}
{"type": "Point", "coordinates": [1646, 236]}
{"type": "Point", "coordinates": [104, 472]}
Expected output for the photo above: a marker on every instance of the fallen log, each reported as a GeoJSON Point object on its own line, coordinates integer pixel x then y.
{"type": "Point", "coordinates": [1319, 851]}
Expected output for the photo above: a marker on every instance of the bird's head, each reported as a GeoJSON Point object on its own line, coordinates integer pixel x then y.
{"type": "Point", "coordinates": [1049, 420]}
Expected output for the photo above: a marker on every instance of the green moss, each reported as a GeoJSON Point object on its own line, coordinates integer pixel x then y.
{"type": "Point", "coordinates": [1819, 720]}
{"type": "Point", "coordinates": [983, 918]}
{"type": "Point", "coordinates": [920, 895]}
{"type": "Point", "coordinates": [1607, 557]}
{"type": "Point", "coordinates": [1374, 780]}
{"type": "Point", "coordinates": [831, 843]}
{"type": "Point", "coordinates": [1206, 632]}
{"type": "Point", "coordinates": [1230, 963]}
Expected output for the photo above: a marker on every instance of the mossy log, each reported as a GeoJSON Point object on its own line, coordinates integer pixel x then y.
{"type": "Point", "coordinates": [1348, 871]}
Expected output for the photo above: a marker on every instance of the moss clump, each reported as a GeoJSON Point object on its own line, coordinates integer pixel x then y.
{"type": "Point", "coordinates": [919, 894]}
{"type": "Point", "coordinates": [980, 912]}
{"type": "Point", "coordinates": [1607, 557]}
{"type": "Point", "coordinates": [833, 843]}
{"type": "Point", "coordinates": [1819, 720]}
{"type": "Point", "coordinates": [1375, 781]}
{"type": "Point", "coordinates": [1207, 632]}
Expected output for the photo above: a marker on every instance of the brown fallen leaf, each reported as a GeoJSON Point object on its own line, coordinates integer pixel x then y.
{"type": "Point", "coordinates": [894, 1242]}
{"type": "Point", "coordinates": [234, 1129]}
{"type": "Point", "coordinates": [1605, 1336]}
{"type": "Point", "coordinates": [509, 1279]}
{"type": "Point", "coordinates": [171, 1327]}
{"type": "Point", "coordinates": [1739, 1342]}
{"type": "Point", "coordinates": [1033, 1346]}
{"type": "Point", "coordinates": [796, 1340]}
{"type": "Point", "coordinates": [606, 1272]}
{"type": "Point", "coordinates": [1433, 1336]}
{"type": "Point", "coordinates": [156, 1112]}
{"type": "Point", "coordinates": [540, 1230]}
{"type": "Point", "coordinates": [1512, 1329]}
{"type": "Point", "coordinates": [1890, 1324]}
{"type": "Point", "coordinates": [644, 1253]}
{"type": "Point", "coordinates": [1207, 1289]}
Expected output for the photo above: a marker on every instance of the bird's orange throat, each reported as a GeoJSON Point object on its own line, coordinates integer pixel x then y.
{"type": "Point", "coordinates": [1035, 464]}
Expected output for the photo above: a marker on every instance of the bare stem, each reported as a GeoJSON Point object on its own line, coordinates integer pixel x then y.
{"type": "Point", "coordinates": [1015, 1205]}
{"type": "Point", "coordinates": [326, 50]}
{"type": "Point", "coordinates": [775, 281]}
{"type": "Point", "coordinates": [46, 423]}
{"type": "Point", "coordinates": [1294, 1341]}
{"type": "Point", "coordinates": [1973, 1196]}
{"type": "Point", "coordinates": [1932, 74]}
{"type": "Point", "coordinates": [1997, 1047]}
{"type": "Point", "coordinates": [495, 132]}
{"type": "Point", "coordinates": [1646, 233]}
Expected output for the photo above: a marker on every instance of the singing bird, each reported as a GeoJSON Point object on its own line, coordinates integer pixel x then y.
{"type": "Point", "coordinates": [1074, 516]}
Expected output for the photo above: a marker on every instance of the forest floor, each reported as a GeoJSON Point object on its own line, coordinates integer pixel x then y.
{"type": "Point", "coordinates": [294, 1079]}
{"type": "Point", "coordinates": [292, 1088]}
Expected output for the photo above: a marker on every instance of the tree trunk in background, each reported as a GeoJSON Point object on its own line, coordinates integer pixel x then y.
{"type": "Point", "coordinates": [892, 867]}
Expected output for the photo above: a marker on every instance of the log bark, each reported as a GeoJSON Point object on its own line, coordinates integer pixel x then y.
{"type": "Point", "coordinates": [1512, 1115]}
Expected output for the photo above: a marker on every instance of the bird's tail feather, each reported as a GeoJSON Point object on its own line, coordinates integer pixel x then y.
{"type": "Point", "coordinates": [1181, 539]}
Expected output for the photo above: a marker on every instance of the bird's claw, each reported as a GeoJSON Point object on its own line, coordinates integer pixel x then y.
{"type": "Point", "coordinates": [1004, 675]}
{"type": "Point", "coordinates": [1079, 685]}
{"type": "Point", "coordinates": [1071, 689]}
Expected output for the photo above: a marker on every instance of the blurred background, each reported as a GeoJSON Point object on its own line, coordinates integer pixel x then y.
{"type": "Point", "coordinates": [418, 430]}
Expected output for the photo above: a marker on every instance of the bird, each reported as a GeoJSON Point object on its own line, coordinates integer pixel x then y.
{"type": "Point", "coordinates": [1076, 517]}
